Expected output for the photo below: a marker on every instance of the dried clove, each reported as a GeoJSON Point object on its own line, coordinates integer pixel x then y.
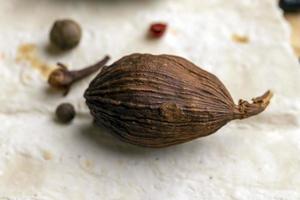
{"type": "Point", "coordinates": [65, 34]}
{"type": "Point", "coordinates": [65, 112]}
{"type": "Point", "coordinates": [162, 100]}
{"type": "Point", "coordinates": [62, 78]}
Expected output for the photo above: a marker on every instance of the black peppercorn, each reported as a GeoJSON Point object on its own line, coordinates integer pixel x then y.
{"type": "Point", "coordinates": [65, 112]}
{"type": "Point", "coordinates": [289, 5]}
{"type": "Point", "coordinates": [65, 34]}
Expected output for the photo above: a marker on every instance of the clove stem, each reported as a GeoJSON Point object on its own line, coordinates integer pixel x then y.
{"type": "Point", "coordinates": [62, 78]}
{"type": "Point", "coordinates": [79, 74]}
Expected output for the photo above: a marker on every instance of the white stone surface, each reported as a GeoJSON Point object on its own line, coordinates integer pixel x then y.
{"type": "Point", "coordinates": [254, 159]}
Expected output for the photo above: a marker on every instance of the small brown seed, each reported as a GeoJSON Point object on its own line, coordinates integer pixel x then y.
{"type": "Point", "coordinates": [65, 112]}
{"type": "Point", "coordinates": [65, 34]}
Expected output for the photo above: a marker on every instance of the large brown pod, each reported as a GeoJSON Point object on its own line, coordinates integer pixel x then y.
{"type": "Point", "coordinates": [162, 100]}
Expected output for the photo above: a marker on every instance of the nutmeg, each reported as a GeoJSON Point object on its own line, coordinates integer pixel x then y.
{"type": "Point", "coordinates": [162, 100]}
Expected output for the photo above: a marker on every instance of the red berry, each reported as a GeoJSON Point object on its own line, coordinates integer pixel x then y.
{"type": "Point", "coordinates": [157, 30]}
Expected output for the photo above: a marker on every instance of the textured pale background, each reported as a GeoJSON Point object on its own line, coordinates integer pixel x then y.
{"type": "Point", "coordinates": [254, 159]}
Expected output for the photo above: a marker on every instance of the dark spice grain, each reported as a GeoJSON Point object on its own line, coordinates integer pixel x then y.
{"type": "Point", "coordinates": [65, 34]}
{"type": "Point", "coordinates": [65, 112]}
{"type": "Point", "coordinates": [289, 5]}
{"type": "Point", "coordinates": [162, 100]}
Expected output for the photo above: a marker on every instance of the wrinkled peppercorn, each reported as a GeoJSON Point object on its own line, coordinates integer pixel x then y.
{"type": "Point", "coordinates": [65, 112]}
{"type": "Point", "coordinates": [65, 34]}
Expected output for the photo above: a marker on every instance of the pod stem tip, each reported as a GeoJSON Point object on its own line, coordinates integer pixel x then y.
{"type": "Point", "coordinates": [245, 109]}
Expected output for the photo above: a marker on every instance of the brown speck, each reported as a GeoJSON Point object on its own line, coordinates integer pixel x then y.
{"type": "Point", "coordinates": [240, 38]}
{"type": "Point", "coordinates": [28, 53]}
{"type": "Point", "coordinates": [88, 164]}
{"type": "Point", "coordinates": [27, 48]}
{"type": "Point", "coordinates": [47, 155]}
